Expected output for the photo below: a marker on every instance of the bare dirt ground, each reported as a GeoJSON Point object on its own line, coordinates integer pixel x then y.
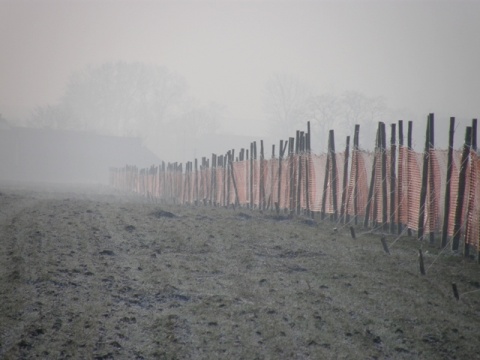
{"type": "Point", "coordinates": [89, 273]}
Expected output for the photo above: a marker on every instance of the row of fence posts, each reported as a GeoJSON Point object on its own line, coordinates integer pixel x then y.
{"type": "Point", "coordinates": [178, 188]}
{"type": "Point", "coordinates": [428, 183]}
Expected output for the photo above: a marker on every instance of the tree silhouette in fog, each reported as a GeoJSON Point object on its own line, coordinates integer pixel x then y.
{"type": "Point", "coordinates": [285, 103]}
{"type": "Point", "coordinates": [121, 99]}
{"type": "Point", "coordinates": [132, 99]}
{"type": "Point", "coordinates": [289, 104]}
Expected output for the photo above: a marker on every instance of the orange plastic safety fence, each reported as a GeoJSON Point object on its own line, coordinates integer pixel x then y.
{"type": "Point", "coordinates": [472, 198]}
{"type": "Point", "coordinates": [298, 182]}
{"type": "Point", "coordinates": [240, 171]}
{"type": "Point", "coordinates": [317, 174]}
{"type": "Point", "coordinates": [379, 193]}
{"type": "Point", "coordinates": [413, 186]}
{"type": "Point", "coordinates": [356, 200]}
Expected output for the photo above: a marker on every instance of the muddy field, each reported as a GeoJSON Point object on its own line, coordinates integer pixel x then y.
{"type": "Point", "coordinates": [89, 273]}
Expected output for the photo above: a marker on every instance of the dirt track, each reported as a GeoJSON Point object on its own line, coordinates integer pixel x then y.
{"type": "Point", "coordinates": [89, 274]}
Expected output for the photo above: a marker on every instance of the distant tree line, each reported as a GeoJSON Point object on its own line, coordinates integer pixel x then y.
{"type": "Point", "coordinates": [128, 99]}
{"type": "Point", "coordinates": [151, 102]}
{"type": "Point", "coordinates": [289, 104]}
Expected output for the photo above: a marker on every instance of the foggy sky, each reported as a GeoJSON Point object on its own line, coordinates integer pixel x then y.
{"type": "Point", "coordinates": [419, 55]}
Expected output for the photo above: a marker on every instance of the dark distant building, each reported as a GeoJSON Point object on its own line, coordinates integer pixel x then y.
{"type": "Point", "coordinates": [61, 156]}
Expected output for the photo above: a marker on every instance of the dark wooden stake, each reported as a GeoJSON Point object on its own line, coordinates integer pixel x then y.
{"type": "Point", "coordinates": [423, 191]}
{"type": "Point", "coordinates": [409, 176]}
{"type": "Point", "coordinates": [213, 186]}
{"type": "Point", "coordinates": [262, 202]}
{"type": "Point", "coordinates": [308, 137]}
{"type": "Point", "coordinates": [299, 183]}
{"type": "Point", "coordinates": [446, 214]}
{"type": "Point", "coordinates": [228, 159]}
{"type": "Point", "coordinates": [325, 183]}
{"type": "Point", "coordinates": [251, 175]}
{"type": "Point", "coordinates": [455, 291]}
{"type": "Point", "coordinates": [400, 178]}
{"type": "Point", "coordinates": [372, 182]}
{"type": "Point", "coordinates": [344, 216]}
{"type": "Point", "coordinates": [384, 244]}
{"type": "Point", "coordinates": [196, 183]}
{"type": "Point", "coordinates": [355, 189]}
{"type": "Point", "coordinates": [281, 153]}
{"type": "Point", "coordinates": [307, 174]}
{"type": "Point", "coordinates": [291, 149]}
{"type": "Point", "coordinates": [422, 266]}
{"type": "Point", "coordinates": [247, 175]}
{"type": "Point", "coordinates": [334, 181]}
{"type": "Point", "coordinates": [474, 146]}
{"type": "Point", "coordinates": [474, 134]}
{"type": "Point", "coordinates": [234, 183]}
{"type": "Point", "coordinates": [352, 232]}
{"type": "Point", "coordinates": [383, 149]}
{"type": "Point", "coordinates": [431, 180]}
{"type": "Point", "coordinates": [470, 200]}
{"type": "Point", "coordinates": [461, 189]}
{"type": "Point", "coordinates": [393, 177]}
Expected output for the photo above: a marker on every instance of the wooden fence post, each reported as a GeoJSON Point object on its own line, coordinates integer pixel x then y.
{"type": "Point", "coordinates": [431, 180]}
{"type": "Point", "coordinates": [307, 168]}
{"type": "Point", "coordinates": [383, 149]}
{"type": "Point", "coordinates": [262, 178]}
{"type": "Point", "coordinates": [474, 147]}
{"type": "Point", "coordinates": [195, 182]}
{"type": "Point", "coordinates": [471, 199]}
{"type": "Point", "coordinates": [247, 177]}
{"type": "Point", "coordinates": [355, 189]}
{"type": "Point", "coordinates": [291, 148]}
{"type": "Point", "coordinates": [272, 180]}
{"type": "Point", "coordinates": [213, 181]}
{"type": "Point", "coordinates": [409, 175]}
{"type": "Point", "coordinates": [393, 161]}
{"type": "Point", "coordinates": [448, 183]}
{"type": "Point", "coordinates": [474, 134]}
{"type": "Point", "coordinates": [334, 174]}
{"type": "Point", "coordinates": [401, 154]}
{"type": "Point", "coordinates": [281, 151]}
{"type": "Point", "coordinates": [425, 177]}
{"type": "Point", "coordinates": [325, 182]}
{"type": "Point", "coordinates": [461, 189]}
{"type": "Point", "coordinates": [255, 158]}
{"type": "Point", "coordinates": [236, 202]}
{"type": "Point", "coordinates": [423, 191]}
{"type": "Point", "coordinates": [372, 180]}
{"type": "Point", "coordinates": [344, 216]}
{"type": "Point", "coordinates": [299, 171]}
{"type": "Point", "coordinates": [251, 175]}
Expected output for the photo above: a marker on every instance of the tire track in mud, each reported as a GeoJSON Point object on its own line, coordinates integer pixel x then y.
{"type": "Point", "coordinates": [62, 274]}
{"type": "Point", "coordinates": [145, 287]}
{"type": "Point", "coordinates": [84, 281]}
{"type": "Point", "coordinates": [12, 266]}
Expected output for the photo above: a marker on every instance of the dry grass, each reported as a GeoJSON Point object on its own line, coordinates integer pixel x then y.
{"type": "Point", "coordinates": [91, 274]}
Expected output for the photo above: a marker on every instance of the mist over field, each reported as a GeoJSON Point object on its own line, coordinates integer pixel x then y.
{"type": "Point", "coordinates": [113, 245]}
{"type": "Point", "coordinates": [182, 75]}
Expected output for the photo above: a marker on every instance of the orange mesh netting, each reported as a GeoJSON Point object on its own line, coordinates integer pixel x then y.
{"type": "Point", "coordinates": [311, 181]}
{"type": "Point", "coordinates": [473, 207]}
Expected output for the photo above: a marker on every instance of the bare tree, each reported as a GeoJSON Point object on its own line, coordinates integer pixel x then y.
{"type": "Point", "coordinates": [366, 111]}
{"type": "Point", "coordinates": [286, 100]}
{"type": "Point", "coordinates": [122, 99]}
{"type": "Point", "coordinates": [289, 105]}
{"type": "Point", "coordinates": [325, 113]}
{"type": "Point", "coordinates": [198, 120]}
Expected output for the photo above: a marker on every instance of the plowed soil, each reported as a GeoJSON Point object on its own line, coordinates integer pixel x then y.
{"type": "Point", "coordinates": [91, 273]}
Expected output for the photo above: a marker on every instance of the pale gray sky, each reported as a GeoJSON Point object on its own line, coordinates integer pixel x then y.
{"type": "Point", "coordinates": [421, 55]}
